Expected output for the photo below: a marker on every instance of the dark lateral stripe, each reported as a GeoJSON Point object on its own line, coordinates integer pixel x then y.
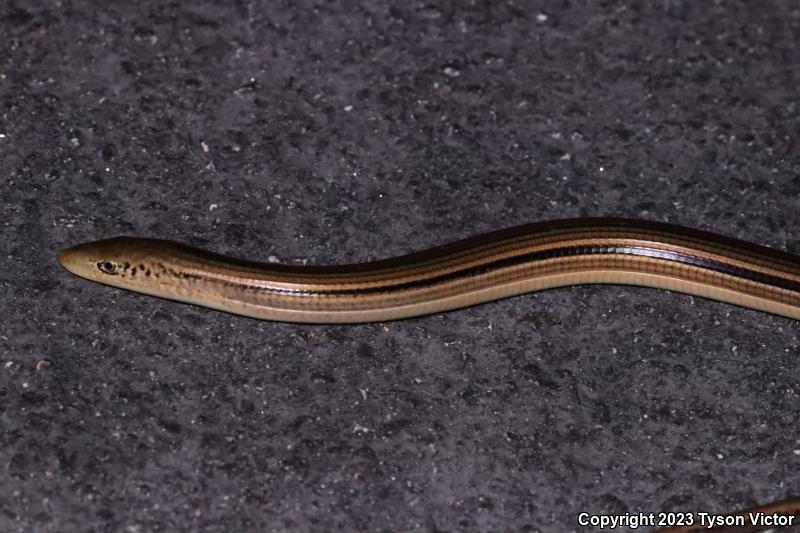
{"type": "Point", "coordinates": [675, 257]}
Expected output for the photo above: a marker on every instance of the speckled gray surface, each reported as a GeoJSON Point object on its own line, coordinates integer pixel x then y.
{"type": "Point", "coordinates": [343, 131]}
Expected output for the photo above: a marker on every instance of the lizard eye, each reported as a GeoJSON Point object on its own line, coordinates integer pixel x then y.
{"type": "Point", "coordinates": [107, 267]}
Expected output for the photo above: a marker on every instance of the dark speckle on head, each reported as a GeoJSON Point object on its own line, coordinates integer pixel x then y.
{"type": "Point", "coordinates": [134, 263]}
{"type": "Point", "coordinates": [115, 261]}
